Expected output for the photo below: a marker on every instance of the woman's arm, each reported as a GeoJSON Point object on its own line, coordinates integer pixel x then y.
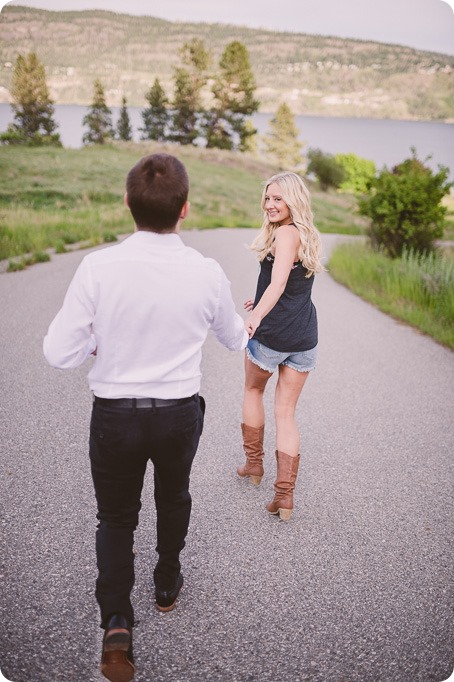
{"type": "Point", "coordinates": [286, 245]}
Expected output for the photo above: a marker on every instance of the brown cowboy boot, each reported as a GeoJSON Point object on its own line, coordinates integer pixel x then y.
{"type": "Point", "coordinates": [253, 448]}
{"type": "Point", "coordinates": [284, 485]}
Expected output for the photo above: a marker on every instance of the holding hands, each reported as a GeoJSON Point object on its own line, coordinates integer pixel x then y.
{"type": "Point", "coordinates": [253, 320]}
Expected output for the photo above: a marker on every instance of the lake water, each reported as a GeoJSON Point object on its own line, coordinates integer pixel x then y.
{"type": "Point", "coordinates": [384, 141]}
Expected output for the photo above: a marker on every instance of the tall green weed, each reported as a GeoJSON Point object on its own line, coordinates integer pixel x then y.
{"type": "Point", "coordinates": [418, 289]}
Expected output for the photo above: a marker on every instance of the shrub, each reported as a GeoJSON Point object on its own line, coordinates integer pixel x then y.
{"type": "Point", "coordinates": [109, 237]}
{"type": "Point", "coordinates": [326, 169]}
{"type": "Point", "coordinates": [405, 207]}
{"type": "Point", "coordinates": [14, 136]}
{"type": "Point", "coordinates": [60, 246]}
{"type": "Point", "coordinates": [40, 257]}
{"type": "Point", "coordinates": [16, 265]}
{"type": "Point", "coordinates": [359, 173]}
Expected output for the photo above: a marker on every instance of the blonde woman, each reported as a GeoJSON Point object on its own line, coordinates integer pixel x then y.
{"type": "Point", "coordinates": [282, 328]}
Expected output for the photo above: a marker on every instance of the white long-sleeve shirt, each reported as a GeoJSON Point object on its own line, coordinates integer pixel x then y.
{"type": "Point", "coordinates": [146, 306]}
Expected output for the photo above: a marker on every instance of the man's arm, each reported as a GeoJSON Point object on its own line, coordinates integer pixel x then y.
{"type": "Point", "coordinates": [69, 340]}
{"type": "Point", "coordinates": [227, 325]}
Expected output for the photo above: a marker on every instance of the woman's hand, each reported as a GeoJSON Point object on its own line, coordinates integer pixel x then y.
{"type": "Point", "coordinates": [253, 320]}
{"type": "Point", "coordinates": [251, 324]}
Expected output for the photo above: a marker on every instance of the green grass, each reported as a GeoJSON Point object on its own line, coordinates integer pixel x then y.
{"type": "Point", "coordinates": [417, 290]}
{"type": "Point", "coordinates": [337, 213]}
{"type": "Point", "coordinates": [25, 261]}
{"type": "Point", "coordinates": [448, 201]}
{"type": "Point", "coordinates": [52, 197]}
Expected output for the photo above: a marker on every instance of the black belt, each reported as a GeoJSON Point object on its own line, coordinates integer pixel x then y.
{"type": "Point", "coordinates": [151, 403]}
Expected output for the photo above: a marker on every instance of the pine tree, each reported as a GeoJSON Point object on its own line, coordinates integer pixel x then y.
{"type": "Point", "coordinates": [249, 143]}
{"type": "Point", "coordinates": [282, 141]}
{"type": "Point", "coordinates": [155, 116]}
{"type": "Point", "coordinates": [189, 81]}
{"type": "Point", "coordinates": [98, 119]}
{"type": "Point", "coordinates": [233, 89]}
{"type": "Point", "coordinates": [124, 130]}
{"type": "Point", "coordinates": [32, 106]}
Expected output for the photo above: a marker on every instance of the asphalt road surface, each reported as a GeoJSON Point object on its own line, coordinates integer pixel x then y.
{"type": "Point", "coordinates": [357, 587]}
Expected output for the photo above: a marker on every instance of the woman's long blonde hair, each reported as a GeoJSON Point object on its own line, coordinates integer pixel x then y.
{"type": "Point", "coordinates": [297, 197]}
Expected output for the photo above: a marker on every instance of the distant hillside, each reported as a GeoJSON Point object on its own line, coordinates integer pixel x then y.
{"type": "Point", "coordinates": [314, 74]}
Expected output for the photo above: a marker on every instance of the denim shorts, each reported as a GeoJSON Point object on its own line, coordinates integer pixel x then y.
{"type": "Point", "coordinates": [268, 359]}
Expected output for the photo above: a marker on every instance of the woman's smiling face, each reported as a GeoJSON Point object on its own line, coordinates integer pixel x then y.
{"type": "Point", "coordinates": [275, 206]}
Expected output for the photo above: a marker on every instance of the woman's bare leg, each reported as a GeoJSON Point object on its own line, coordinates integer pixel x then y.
{"type": "Point", "coordinates": [254, 387]}
{"type": "Point", "coordinates": [288, 390]}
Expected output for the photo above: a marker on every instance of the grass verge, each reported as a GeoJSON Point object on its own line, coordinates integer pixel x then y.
{"type": "Point", "coordinates": [51, 198]}
{"type": "Point", "coordinates": [418, 290]}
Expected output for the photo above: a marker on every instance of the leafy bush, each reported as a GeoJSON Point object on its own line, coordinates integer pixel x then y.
{"type": "Point", "coordinates": [15, 266]}
{"type": "Point", "coordinates": [14, 136]}
{"type": "Point", "coordinates": [40, 257]}
{"type": "Point", "coordinates": [405, 207]}
{"type": "Point", "coordinates": [60, 246]}
{"type": "Point", "coordinates": [326, 169]}
{"type": "Point", "coordinates": [109, 237]}
{"type": "Point", "coordinates": [359, 173]}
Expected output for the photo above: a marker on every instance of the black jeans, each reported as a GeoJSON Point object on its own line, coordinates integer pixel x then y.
{"type": "Point", "coordinates": [122, 440]}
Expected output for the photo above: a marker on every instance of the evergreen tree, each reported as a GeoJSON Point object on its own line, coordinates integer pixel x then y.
{"type": "Point", "coordinates": [226, 125]}
{"type": "Point", "coordinates": [249, 143]}
{"type": "Point", "coordinates": [217, 130]}
{"type": "Point", "coordinates": [281, 141]}
{"type": "Point", "coordinates": [32, 106]}
{"type": "Point", "coordinates": [124, 130]}
{"type": "Point", "coordinates": [98, 119]}
{"type": "Point", "coordinates": [155, 116]}
{"type": "Point", "coordinates": [189, 81]}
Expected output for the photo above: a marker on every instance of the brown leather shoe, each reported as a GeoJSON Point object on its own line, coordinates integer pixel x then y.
{"type": "Point", "coordinates": [166, 599]}
{"type": "Point", "coordinates": [117, 659]}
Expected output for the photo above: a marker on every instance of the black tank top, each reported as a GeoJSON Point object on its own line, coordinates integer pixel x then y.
{"type": "Point", "coordinates": [290, 326]}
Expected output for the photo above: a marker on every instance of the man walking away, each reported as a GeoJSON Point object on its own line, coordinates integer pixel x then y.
{"type": "Point", "coordinates": [143, 308]}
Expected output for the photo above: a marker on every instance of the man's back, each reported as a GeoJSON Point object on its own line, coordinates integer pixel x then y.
{"type": "Point", "coordinates": [152, 301]}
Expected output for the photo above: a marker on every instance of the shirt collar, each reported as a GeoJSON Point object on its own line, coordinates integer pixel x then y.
{"type": "Point", "coordinates": [169, 240]}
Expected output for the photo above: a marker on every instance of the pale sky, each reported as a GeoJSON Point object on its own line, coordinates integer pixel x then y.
{"type": "Point", "coordinates": [424, 24]}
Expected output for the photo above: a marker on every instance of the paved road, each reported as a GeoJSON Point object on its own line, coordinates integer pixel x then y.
{"type": "Point", "coordinates": [357, 587]}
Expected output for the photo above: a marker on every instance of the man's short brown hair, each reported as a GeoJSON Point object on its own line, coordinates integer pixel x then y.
{"type": "Point", "coordinates": [157, 188]}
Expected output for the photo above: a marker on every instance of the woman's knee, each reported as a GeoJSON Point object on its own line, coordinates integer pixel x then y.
{"type": "Point", "coordinates": [253, 388]}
